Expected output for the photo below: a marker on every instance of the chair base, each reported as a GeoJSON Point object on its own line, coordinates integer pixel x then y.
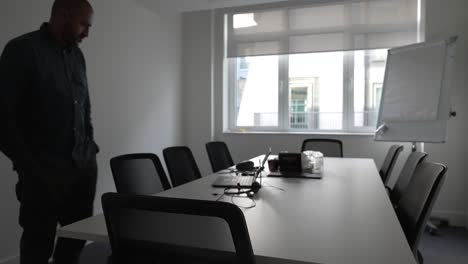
{"type": "Point", "coordinates": [435, 223]}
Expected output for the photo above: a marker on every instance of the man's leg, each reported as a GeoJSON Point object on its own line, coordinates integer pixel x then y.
{"type": "Point", "coordinates": [79, 205]}
{"type": "Point", "coordinates": [38, 218]}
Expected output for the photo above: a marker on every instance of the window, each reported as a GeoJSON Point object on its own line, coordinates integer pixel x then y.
{"type": "Point", "coordinates": [315, 68]}
{"type": "Point", "coordinates": [312, 95]}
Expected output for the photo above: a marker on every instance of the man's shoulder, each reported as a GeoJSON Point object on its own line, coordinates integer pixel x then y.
{"type": "Point", "coordinates": [25, 40]}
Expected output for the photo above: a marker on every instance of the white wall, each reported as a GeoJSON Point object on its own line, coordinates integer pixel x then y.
{"type": "Point", "coordinates": [443, 19]}
{"type": "Point", "coordinates": [197, 85]}
{"type": "Point", "coordinates": [133, 59]}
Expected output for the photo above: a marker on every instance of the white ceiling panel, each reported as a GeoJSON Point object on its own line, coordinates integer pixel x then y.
{"type": "Point", "coordinates": [193, 5]}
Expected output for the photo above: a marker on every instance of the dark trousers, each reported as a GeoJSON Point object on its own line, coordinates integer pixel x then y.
{"type": "Point", "coordinates": [61, 194]}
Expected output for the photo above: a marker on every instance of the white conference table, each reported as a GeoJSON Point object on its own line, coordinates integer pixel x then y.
{"type": "Point", "coordinates": [345, 217]}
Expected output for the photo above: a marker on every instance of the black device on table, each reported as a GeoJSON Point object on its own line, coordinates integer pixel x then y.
{"type": "Point", "coordinates": [245, 166]}
{"type": "Point", "coordinates": [290, 166]}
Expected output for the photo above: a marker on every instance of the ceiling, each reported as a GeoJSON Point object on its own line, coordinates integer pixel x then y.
{"type": "Point", "coordinates": [193, 5]}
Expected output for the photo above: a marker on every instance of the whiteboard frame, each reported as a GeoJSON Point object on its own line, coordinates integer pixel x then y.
{"type": "Point", "coordinates": [423, 131]}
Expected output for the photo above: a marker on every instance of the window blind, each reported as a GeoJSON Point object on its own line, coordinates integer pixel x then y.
{"type": "Point", "coordinates": [320, 27]}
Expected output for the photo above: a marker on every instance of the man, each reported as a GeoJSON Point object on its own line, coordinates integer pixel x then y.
{"type": "Point", "coordinates": [47, 131]}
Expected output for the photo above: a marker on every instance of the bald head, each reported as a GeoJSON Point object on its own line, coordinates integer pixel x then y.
{"type": "Point", "coordinates": [70, 20]}
{"type": "Point", "coordinates": [70, 6]}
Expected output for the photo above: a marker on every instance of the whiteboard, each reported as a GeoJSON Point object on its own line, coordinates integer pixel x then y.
{"type": "Point", "coordinates": [415, 98]}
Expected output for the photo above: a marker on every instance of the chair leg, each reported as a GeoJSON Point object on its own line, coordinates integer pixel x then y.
{"type": "Point", "coordinates": [420, 258]}
{"type": "Point", "coordinates": [434, 223]}
{"type": "Point", "coordinates": [432, 228]}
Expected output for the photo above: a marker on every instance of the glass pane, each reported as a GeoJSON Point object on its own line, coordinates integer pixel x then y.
{"type": "Point", "coordinates": [256, 93]}
{"type": "Point", "coordinates": [369, 70]}
{"type": "Point", "coordinates": [316, 91]}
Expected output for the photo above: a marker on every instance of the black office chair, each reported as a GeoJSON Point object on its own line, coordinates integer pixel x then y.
{"type": "Point", "coordinates": [329, 147]}
{"type": "Point", "coordinates": [416, 202]}
{"type": "Point", "coordinates": [389, 162]}
{"type": "Point", "coordinates": [139, 173]}
{"type": "Point", "coordinates": [151, 229]}
{"type": "Point", "coordinates": [181, 165]}
{"type": "Point", "coordinates": [219, 155]}
{"type": "Point", "coordinates": [405, 175]}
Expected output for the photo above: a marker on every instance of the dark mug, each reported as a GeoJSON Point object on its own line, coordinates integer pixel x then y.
{"type": "Point", "coordinates": [273, 165]}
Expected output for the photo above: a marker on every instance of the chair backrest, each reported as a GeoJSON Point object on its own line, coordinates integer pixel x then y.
{"type": "Point", "coordinates": [145, 229]}
{"type": "Point", "coordinates": [406, 173]}
{"type": "Point", "coordinates": [181, 165]}
{"type": "Point", "coordinates": [219, 155]}
{"type": "Point", "coordinates": [389, 162]}
{"type": "Point", "coordinates": [139, 173]}
{"type": "Point", "coordinates": [416, 203]}
{"type": "Point", "coordinates": [329, 147]}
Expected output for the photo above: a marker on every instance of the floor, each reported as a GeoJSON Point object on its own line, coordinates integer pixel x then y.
{"type": "Point", "coordinates": [449, 246]}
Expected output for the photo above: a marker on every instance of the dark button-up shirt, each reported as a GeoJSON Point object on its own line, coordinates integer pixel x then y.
{"type": "Point", "coordinates": [44, 101]}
